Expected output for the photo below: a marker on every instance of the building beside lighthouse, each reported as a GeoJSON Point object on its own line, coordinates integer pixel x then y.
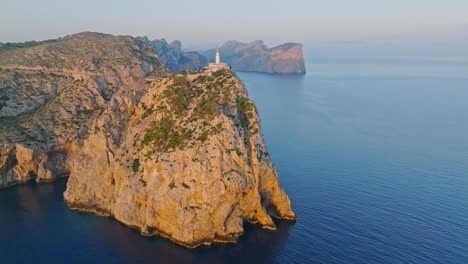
{"type": "Point", "coordinates": [217, 65]}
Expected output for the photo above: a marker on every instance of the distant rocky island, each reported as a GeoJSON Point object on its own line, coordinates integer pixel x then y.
{"type": "Point", "coordinates": [173, 57]}
{"type": "Point", "coordinates": [249, 57]}
{"type": "Point", "coordinates": [256, 57]}
{"type": "Point", "coordinates": [176, 155]}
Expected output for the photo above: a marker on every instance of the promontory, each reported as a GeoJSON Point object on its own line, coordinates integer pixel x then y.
{"type": "Point", "coordinates": [176, 155]}
{"type": "Point", "coordinates": [256, 57]}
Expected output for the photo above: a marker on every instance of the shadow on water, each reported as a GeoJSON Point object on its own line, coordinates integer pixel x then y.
{"type": "Point", "coordinates": [29, 200]}
{"type": "Point", "coordinates": [36, 212]}
{"type": "Point", "coordinates": [255, 246]}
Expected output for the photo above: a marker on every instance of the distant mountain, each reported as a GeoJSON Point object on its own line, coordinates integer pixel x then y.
{"type": "Point", "coordinates": [256, 57]}
{"type": "Point", "coordinates": [173, 57]}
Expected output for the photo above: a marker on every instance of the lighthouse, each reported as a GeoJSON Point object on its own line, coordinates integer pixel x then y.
{"type": "Point", "coordinates": [218, 57]}
{"type": "Point", "coordinates": [217, 65]}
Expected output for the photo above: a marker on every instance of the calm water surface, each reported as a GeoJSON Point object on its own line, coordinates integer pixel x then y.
{"type": "Point", "coordinates": [373, 157]}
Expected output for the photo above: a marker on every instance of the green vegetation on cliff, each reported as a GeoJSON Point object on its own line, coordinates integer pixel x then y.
{"type": "Point", "coordinates": [164, 135]}
{"type": "Point", "coordinates": [188, 107]}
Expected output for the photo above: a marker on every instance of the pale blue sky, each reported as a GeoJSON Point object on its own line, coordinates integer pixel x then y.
{"type": "Point", "coordinates": [203, 22]}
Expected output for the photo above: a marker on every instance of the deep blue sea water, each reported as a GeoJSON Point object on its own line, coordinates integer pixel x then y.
{"type": "Point", "coordinates": [373, 156]}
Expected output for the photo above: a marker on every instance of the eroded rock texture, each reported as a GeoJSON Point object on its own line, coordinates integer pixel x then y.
{"type": "Point", "coordinates": [50, 90]}
{"type": "Point", "coordinates": [177, 155]}
{"type": "Point", "coordinates": [184, 159]}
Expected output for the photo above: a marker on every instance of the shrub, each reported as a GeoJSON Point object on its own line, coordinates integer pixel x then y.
{"type": "Point", "coordinates": [179, 95]}
{"type": "Point", "coordinates": [163, 135]}
{"type": "Point", "coordinates": [246, 107]}
{"type": "Point", "coordinates": [179, 81]}
{"type": "Point", "coordinates": [85, 111]}
{"type": "Point", "coordinates": [217, 74]}
{"type": "Point", "coordinates": [204, 136]}
{"type": "Point", "coordinates": [143, 182]}
{"type": "Point", "coordinates": [136, 165]}
{"type": "Point", "coordinates": [200, 79]}
{"type": "Point", "coordinates": [172, 185]}
{"type": "Point", "coordinates": [245, 104]}
{"type": "Point", "coordinates": [207, 108]}
{"type": "Point", "coordinates": [148, 111]}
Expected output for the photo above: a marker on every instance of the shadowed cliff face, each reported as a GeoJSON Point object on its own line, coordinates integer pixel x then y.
{"type": "Point", "coordinates": [181, 156]}
{"type": "Point", "coordinates": [256, 57]}
{"type": "Point", "coordinates": [185, 159]}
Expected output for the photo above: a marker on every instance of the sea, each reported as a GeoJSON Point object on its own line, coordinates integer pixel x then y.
{"type": "Point", "coordinates": [373, 155]}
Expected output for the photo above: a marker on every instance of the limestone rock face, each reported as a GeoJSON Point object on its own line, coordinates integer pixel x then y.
{"type": "Point", "coordinates": [19, 163]}
{"type": "Point", "coordinates": [49, 92]}
{"type": "Point", "coordinates": [256, 57]}
{"type": "Point", "coordinates": [180, 156]}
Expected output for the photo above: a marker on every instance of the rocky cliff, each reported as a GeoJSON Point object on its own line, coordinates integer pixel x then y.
{"type": "Point", "coordinates": [181, 156]}
{"type": "Point", "coordinates": [50, 90]}
{"type": "Point", "coordinates": [184, 159]}
{"type": "Point", "coordinates": [173, 57]}
{"type": "Point", "coordinates": [256, 57]}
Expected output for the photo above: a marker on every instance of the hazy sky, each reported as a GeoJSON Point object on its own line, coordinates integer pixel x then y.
{"type": "Point", "coordinates": [201, 22]}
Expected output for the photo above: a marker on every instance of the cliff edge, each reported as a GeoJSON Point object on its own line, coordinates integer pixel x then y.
{"type": "Point", "coordinates": [178, 155]}
{"type": "Point", "coordinates": [184, 159]}
{"type": "Point", "coordinates": [50, 90]}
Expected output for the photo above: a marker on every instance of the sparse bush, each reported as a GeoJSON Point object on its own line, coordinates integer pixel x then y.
{"type": "Point", "coordinates": [148, 111]}
{"type": "Point", "coordinates": [143, 182]}
{"type": "Point", "coordinates": [179, 81]}
{"type": "Point", "coordinates": [207, 109]}
{"type": "Point", "coordinates": [217, 74]}
{"type": "Point", "coordinates": [163, 135]}
{"type": "Point", "coordinates": [136, 165]}
{"type": "Point", "coordinates": [245, 104]}
{"type": "Point", "coordinates": [204, 136]}
{"type": "Point", "coordinates": [172, 185]}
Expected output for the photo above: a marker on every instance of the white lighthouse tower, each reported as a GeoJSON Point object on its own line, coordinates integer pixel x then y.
{"type": "Point", "coordinates": [218, 57]}
{"type": "Point", "coordinates": [217, 65]}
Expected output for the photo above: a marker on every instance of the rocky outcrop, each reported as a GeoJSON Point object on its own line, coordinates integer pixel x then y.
{"type": "Point", "coordinates": [184, 159]}
{"type": "Point", "coordinates": [256, 57]}
{"type": "Point", "coordinates": [20, 163]}
{"type": "Point", "coordinates": [173, 57]}
{"type": "Point", "coordinates": [180, 155]}
{"type": "Point", "coordinates": [50, 90]}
